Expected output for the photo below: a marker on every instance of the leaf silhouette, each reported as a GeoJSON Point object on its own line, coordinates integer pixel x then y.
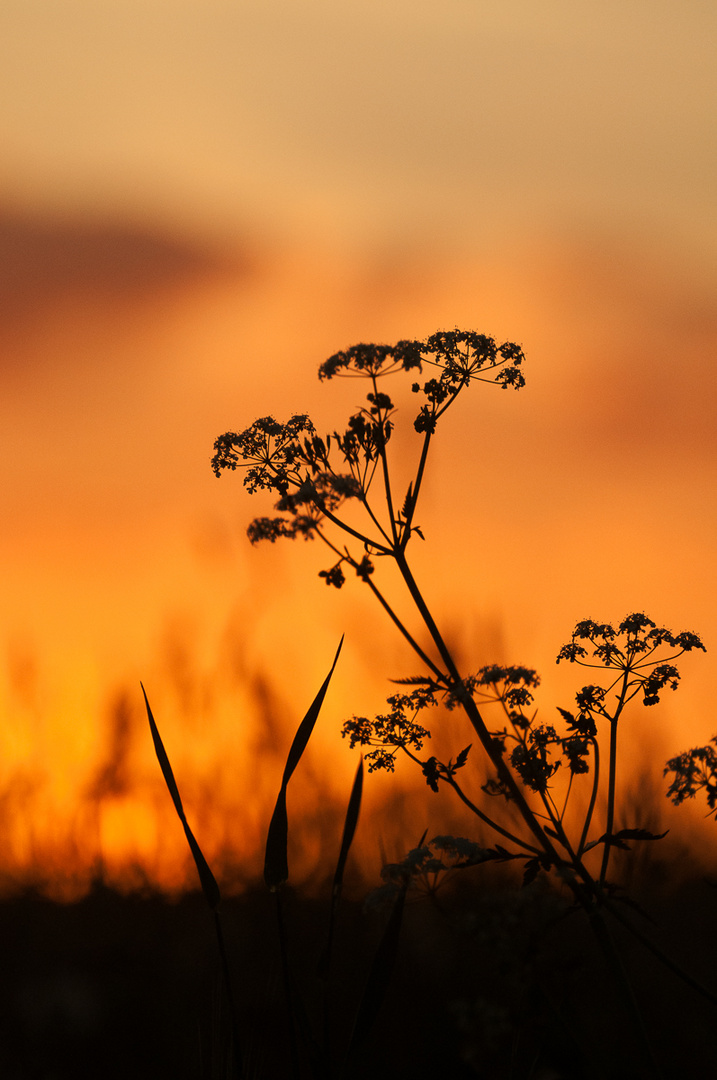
{"type": "Point", "coordinates": [276, 867]}
{"type": "Point", "coordinates": [206, 877]}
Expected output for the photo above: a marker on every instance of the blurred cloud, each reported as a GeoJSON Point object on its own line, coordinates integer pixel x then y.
{"type": "Point", "coordinates": [369, 119]}
{"type": "Point", "coordinates": [50, 263]}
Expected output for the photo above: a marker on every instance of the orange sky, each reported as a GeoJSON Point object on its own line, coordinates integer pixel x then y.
{"type": "Point", "coordinates": [201, 204]}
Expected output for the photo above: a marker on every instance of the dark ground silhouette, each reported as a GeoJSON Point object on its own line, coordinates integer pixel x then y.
{"type": "Point", "coordinates": [491, 981]}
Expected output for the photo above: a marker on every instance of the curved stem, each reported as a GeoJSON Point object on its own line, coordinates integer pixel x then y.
{"type": "Point", "coordinates": [411, 641]}
{"type": "Point", "coordinates": [474, 716]}
{"type": "Point", "coordinates": [489, 821]}
{"type": "Point", "coordinates": [416, 490]}
{"type": "Point", "coordinates": [612, 771]}
{"type": "Point", "coordinates": [593, 797]}
{"type": "Point", "coordinates": [476, 810]}
{"type": "Point", "coordinates": [352, 532]}
{"type": "Point", "coordinates": [381, 447]}
{"type": "Point", "coordinates": [659, 954]}
{"type": "Point", "coordinates": [567, 796]}
{"type": "Point", "coordinates": [374, 519]}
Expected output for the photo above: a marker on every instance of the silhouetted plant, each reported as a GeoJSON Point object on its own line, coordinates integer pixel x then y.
{"type": "Point", "coordinates": [340, 490]}
{"type": "Point", "coordinates": [695, 770]}
{"type": "Point", "coordinates": [304, 1042]}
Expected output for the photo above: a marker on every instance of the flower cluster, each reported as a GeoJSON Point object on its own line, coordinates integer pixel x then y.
{"type": "Point", "coordinates": [510, 685]}
{"type": "Point", "coordinates": [464, 356]}
{"type": "Point", "coordinates": [534, 746]}
{"type": "Point", "coordinates": [531, 746]}
{"type": "Point", "coordinates": [635, 652]}
{"type": "Point", "coordinates": [314, 476]}
{"type": "Point", "coordinates": [694, 770]}
{"type": "Point", "coordinates": [373, 360]}
{"type": "Point", "coordinates": [271, 451]}
{"type": "Point", "coordinates": [422, 868]}
{"type": "Point", "coordinates": [392, 731]}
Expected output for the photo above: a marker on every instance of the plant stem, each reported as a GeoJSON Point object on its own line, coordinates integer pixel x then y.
{"type": "Point", "coordinates": [593, 797]}
{"type": "Point", "coordinates": [411, 641]}
{"type": "Point", "coordinates": [659, 954]}
{"type": "Point", "coordinates": [612, 774]}
{"type": "Point", "coordinates": [236, 1055]}
{"type": "Point", "coordinates": [484, 817]}
{"type": "Point", "coordinates": [622, 982]}
{"type": "Point", "coordinates": [474, 716]}
{"type": "Point", "coordinates": [288, 992]}
{"type": "Point", "coordinates": [416, 490]}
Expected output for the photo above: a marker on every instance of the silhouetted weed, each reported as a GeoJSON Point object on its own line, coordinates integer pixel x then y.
{"type": "Point", "coordinates": [340, 489]}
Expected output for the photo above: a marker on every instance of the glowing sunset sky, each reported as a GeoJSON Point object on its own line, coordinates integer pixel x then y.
{"type": "Point", "coordinates": [200, 202]}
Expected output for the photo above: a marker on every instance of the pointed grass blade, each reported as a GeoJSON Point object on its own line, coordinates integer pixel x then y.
{"type": "Point", "coordinates": [206, 877]}
{"type": "Point", "coordinates": [350, 822]}
{"type": "Point", "coordinates": [276, 866]}
{"type": "Point", "coordinates": [306, 726]}
{"type": "Point", "coordinates": [276, 861]}
{"type": "Point", "coordinates": [383, 964]}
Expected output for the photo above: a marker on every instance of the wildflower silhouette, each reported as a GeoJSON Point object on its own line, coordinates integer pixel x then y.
{"type": "Point", "coordinates": [694, 770]}
{"type": "Point", "coordinates": [321, 483]}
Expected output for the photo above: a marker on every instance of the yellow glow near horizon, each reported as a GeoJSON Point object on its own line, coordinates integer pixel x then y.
{"type": "Point", "coordinates": [199, 204]}
{"type": "Point", "coordinates": [129, 561]}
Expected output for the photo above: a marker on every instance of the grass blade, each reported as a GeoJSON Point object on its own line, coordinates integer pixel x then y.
{"type": "Point", "coordinates": [276, 867]}
{"type": "Point", "coordinates": [382, 967]}
{"type": "Point", "coordinates": [383, 964]}
{"type": "Point", "coordinates": [350, 822]}
{"type": "Point", "coordinates": [206, 877]}
{"type": "Point", "coordinates": [352, 814]}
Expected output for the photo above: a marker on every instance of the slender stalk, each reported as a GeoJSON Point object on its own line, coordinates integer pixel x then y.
{"type": "Point", "coordinates": [624, 986]}
{"type": "Point", "coordinates": [474, 716]}
{"type": "Point", "coordinates": [612, 776]}
{"type": "Point", "coordinates": [381, 445]}
{"type": "Point", "coordinates": [593, 798]}
{"type": "Point", "coordinates": [658, 953]}
{"type": "Point", "coordinates": [411, 641]}
{"type": "Point", "coordinates": [365, 540]}
{"type": "Point", "coordinates": [476, 810]}
{"type": "Point", "coordinates": [488, 821]}
{"type": "Point", "coordinates": [374, 519]}
{"type": "Point", "coordinates": [288, 992]}
{"type": "Point", "coordinates": [416, 490]}
{"type": "Point", "coordinates": [567, 796]}
{"type": "Point", "coordinates": [236, 1055]}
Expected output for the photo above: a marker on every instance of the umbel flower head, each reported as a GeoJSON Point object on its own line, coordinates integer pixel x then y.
{"type": "Point", "coordinates": [314, 477]}
{"type": "Point", "coordinates": [637, 655]}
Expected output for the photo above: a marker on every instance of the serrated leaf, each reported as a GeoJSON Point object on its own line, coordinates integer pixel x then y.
{"type": "Point", "coordinates": [463, 757]}
{"type": "Point", "coordinates": [532, 868]}
{"type": "Point", "coordinates": [407, 502]}
{"type": "Point", "coordinates": [618, 839]}
{"type": "Point", "coordinates": [568, 716]}
{"type": "Point", "coordinates": [415, 680]}
{"type": "Point", "coordinates": [640, 834]}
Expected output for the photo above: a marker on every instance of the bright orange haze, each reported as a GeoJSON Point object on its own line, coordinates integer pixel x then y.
{"type": "Point", "coordinates": [588, 494]}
